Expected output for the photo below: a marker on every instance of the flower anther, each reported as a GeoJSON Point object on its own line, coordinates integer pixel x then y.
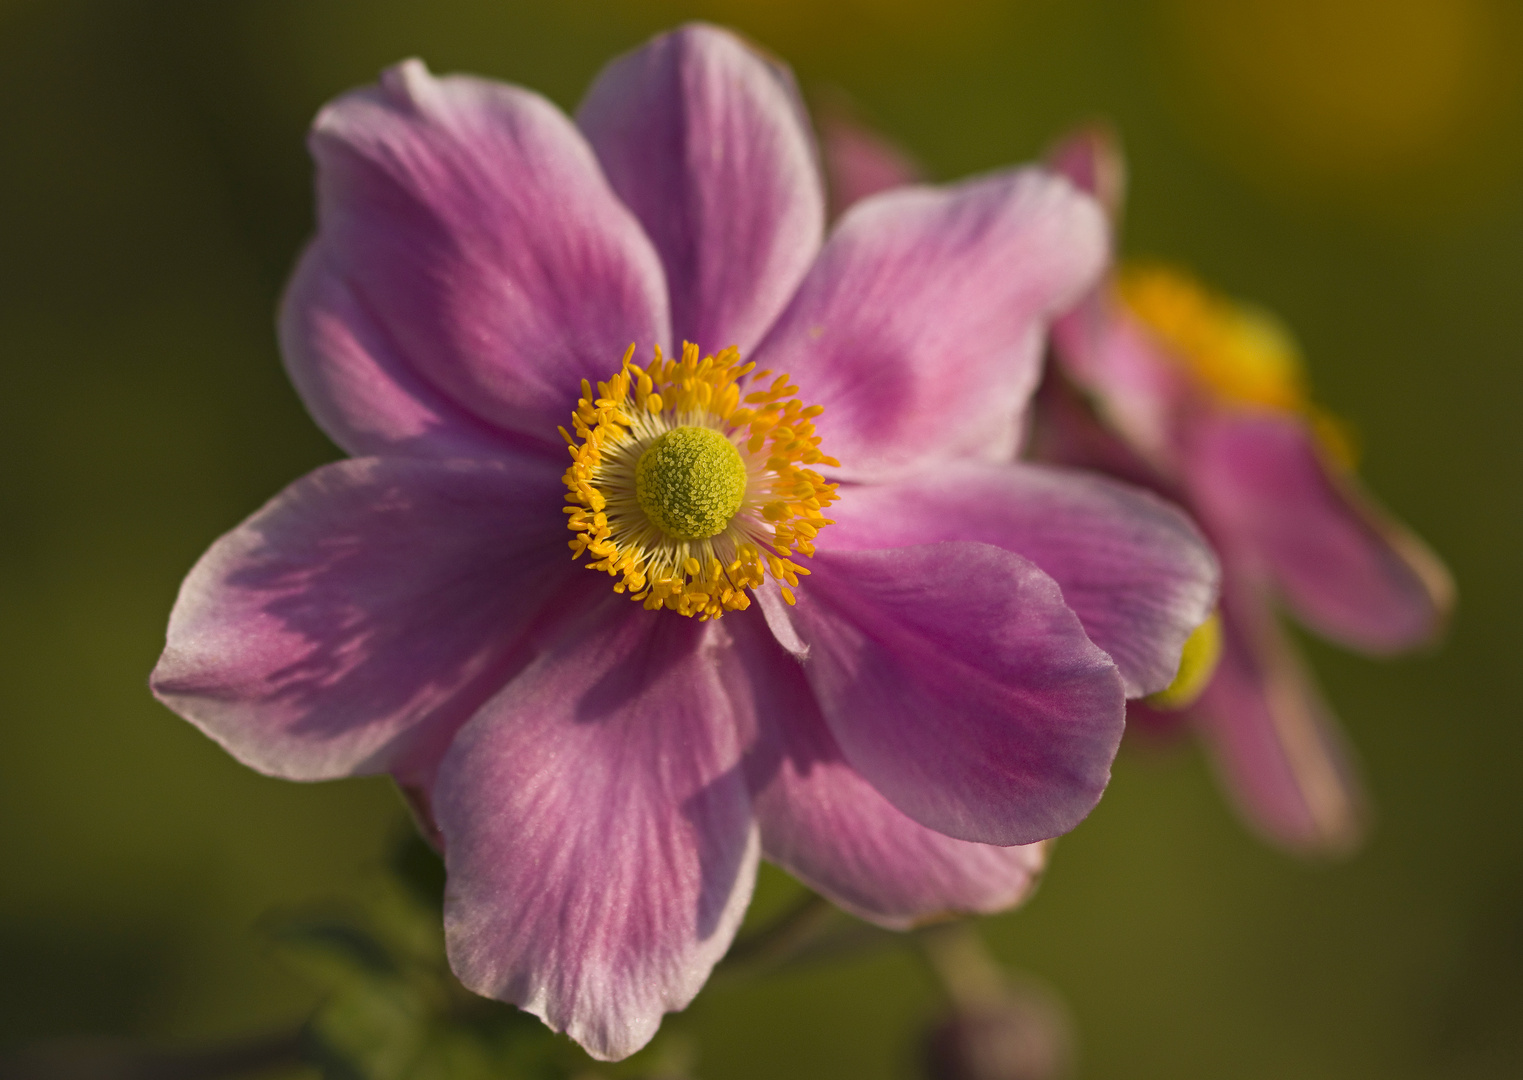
{"type": "Point", "coordinates": [690, 481]}
{"type": "Point", "coordinates": [1197, 664]}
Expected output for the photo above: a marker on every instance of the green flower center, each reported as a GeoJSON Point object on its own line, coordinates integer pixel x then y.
{"type": "Point", "coordinates": [690, 481]}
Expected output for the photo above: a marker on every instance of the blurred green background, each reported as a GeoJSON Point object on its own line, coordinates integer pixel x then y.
{"type": "Point", "coordinates": [1356, 165]}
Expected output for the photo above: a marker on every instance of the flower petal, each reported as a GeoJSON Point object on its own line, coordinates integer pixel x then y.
{"type": "Point", "coordinates": [959, 684]}
{"type": "Point", "coordinates": [1091, 157]}
{"type": "Point", "coordinates": [1275, 743]}
{"type": "Point", "coordinates": [367, 603]}
{"type": "Point", "coordinates": [1137, 388]}
{"type": "Point", "coordinates": [473, 224]}
{"type": "Point", "coordinates": [708, 143]}
{"type": "Point", "coordinates": [1066, 429]}
{"type": "Point", "coordinates": [920, 327]}
{"type": "Point", "coordinates": [1347, 570]}
{"type": "Point", "coordinates": [826, 825]}
{"type": "Point", "coordinates": [359, 388]}
{"type": "Point", "coordinates": [1132, 566]}
{"type": "Point", "coordinates": [598, 830]}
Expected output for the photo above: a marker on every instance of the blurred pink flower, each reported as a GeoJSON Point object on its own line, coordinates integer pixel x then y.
{"type": "Point", "coordinates": [949, 681]}
{"type": "Point", "coordinates": [1170, 387]}
{"type": "Point", "coordinates": [1203, 399]}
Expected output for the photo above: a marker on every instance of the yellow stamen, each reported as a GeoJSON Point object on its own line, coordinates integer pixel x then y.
{"type": "Point", "coordinates": [686, 497]}
{"type": "Point", "coordinates": [1243, 354]}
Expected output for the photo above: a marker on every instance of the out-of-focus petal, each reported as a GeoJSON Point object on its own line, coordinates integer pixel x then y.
{"type": "Point", "coordinates": [709, 144]}
{"type": "Point", "coordinates": [598, 830]}
{"type": "Point", "coordinates": [368, 609]}
{"type": "Point", "coordinates": [958, 683]}
{"type": "Point", "coordinates": [1345, 568]}
{"type": "Point", "coordinates": [858, 161]}
{"type": "Point", "coordinates": [1132, 566]}
{"type": "Point", "coordinates": [1275, 742]}
{"type": "Point", "coordinates": [1066, 430]}
{"type": "Point", "coordinates": [472, 224]}
{"type": "Point", "coordinates": [1091, 157]}
{"type": "Point", "coordinates": [1135, 385]}
{"type": "Point", "coordinates": [826, 825]}
{"type": "Point", "coordinates": [920, 327]}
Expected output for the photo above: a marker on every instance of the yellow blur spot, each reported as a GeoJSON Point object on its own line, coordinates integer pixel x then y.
{"type": "Point", "coordinates": [1347, 92]}
{"type": "Point", "coordinates": [1197, 664]}
{"type": "Point", "coordinates": [1243, 355]}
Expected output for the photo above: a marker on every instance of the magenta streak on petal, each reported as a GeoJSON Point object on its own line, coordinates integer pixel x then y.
{"type": "Point", "coordinates": [365, 612]}
{"type": "Point", "coordinates": [1133, 567]}
{"type": "Point", "coordinates": [708, 144]}
{"type": "Point", "coordinates": [1346, 569]}
{"type": "Point", "coordinates": [958, 683]}
{"type": "Point", "coordinates": [471, 221]}
{"type": "Point", "coordinates": [826, 825]}
{"type": "Point", "coordinates": [598, 830]}
{"type": "Point", "coordinates": [1276, 744]}
{"type": "Point", "coordinates": [920, 327]}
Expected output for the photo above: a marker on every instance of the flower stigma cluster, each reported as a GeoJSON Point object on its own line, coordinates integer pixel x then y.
{"type": "Point", "coordinates": [690, 487]}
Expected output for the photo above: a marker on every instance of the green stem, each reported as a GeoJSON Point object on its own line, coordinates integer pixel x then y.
{"type": "Point", "coordinates": [962, 963]}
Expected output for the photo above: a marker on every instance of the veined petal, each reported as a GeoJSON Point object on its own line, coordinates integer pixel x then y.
{"type": "Point", "coordinates": [1275, 742]}
{"type": "Point", "coordinates": [826, 825]}
{"type": "Point", "coordinates": [1133, 567]}
{"type": "Point", "coordinates": [366, 610]}
{"type": "Point", "coordinates": [598, 831]}
{"type": "Point", "coordinates": [358, 386]}
{"type": "Point", "coordinates": [958, 683]}
{"type": "Point", "coordinates": [471, 222]}
{"type": "Point", "coordinates": [1344, 567]}
{"type": "Point", "coordinates": [708, 143]}
{"type": "Point", "coordinates": [920, 327]}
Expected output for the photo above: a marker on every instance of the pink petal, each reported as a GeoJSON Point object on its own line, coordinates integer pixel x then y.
{"type": "Point", "coordinates": [707, 142]}
{"type": "Point", "coordinates": [1137, 387]}
{"type": "Point", "coordinates": [359, 388]}
{"type": "Point", "coordinates": [471, 222]}
{"type": "Point", "coordinates": [1066, 430]}
{"type": "Point", "coordinates": [1347, 570]}
{"type": "Point", "coordinates": [1275, 742]}
{"type": "Point", "coordinates": [860, 162]}
{"type": "Point", "coordinates": [598, 831]}
{"type": "Point", "coordinates": [366, 610]}
{"type": "Point", "coordinates": [1132, 566]}
{"type": "Point", "coordinates": [959, 684]}
{"type": "Point", "coordinates": [826, 825]}
{"type": "Point", "coordinates": [1091, 157]}
{"type": "Point", "coordinates": [920, 328]}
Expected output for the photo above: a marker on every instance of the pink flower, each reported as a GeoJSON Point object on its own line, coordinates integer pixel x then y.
{"type": "Point", "coordinates": [602, 771]}
{"type": "Point", "coordinates": [1203, 399]}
